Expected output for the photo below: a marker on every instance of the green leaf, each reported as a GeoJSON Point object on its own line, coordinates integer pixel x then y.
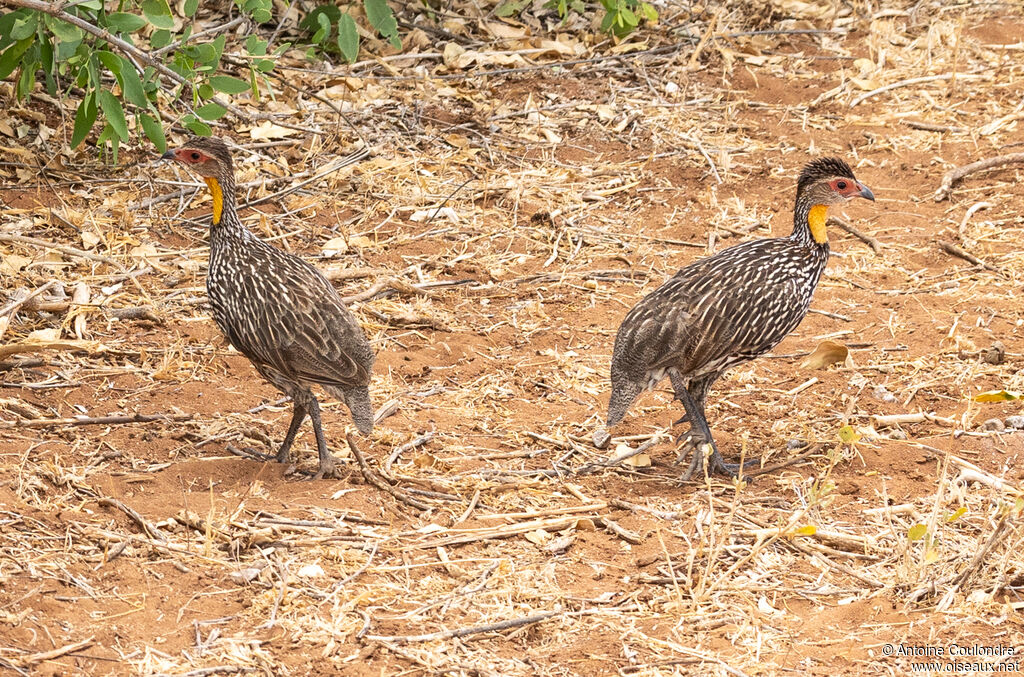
{"type": "Point", "coordinates": [511, 7]}
{"type": "Point", "coordinates": [205, 54]}
{"type": "Point", "coordinates": [111, 62]}
{"type": "Point", "coordinates": [916, 532]}
{"type": "Point", "coordinates": [324, 31]}
{"type": "Point", "coordinates": [114, 113]}
{"type": "Point", "coordinates": [211, 111]}
{"type": "Point", "coordinates": [158, 13]}
{"type": "Point", "coordinates": [131, 84]}
{"type": "Point", "coordinates": [123, 22]}
{"type": "Point", "coordinates": [25, 27]}
{"type": "Point", "coordinates": [648, 11]}
{"type": "Point", "coordinates": [348, 38]}
{"type": "Point", "coordinates": [198, 128]}
{"type": "Point", "coordinates": [205, 91]}
{"type": "Point", "coordinates": [381, 18]}
{"type": "Point", "coordinates": [256, 46]}
{"type": "Point", "coordinates": [160, 39]}
{"type": "Point", "coordinates": [6, 23]}
{"type": "Point", "coordinates": [154, 131]}
{"type": "Point", "coordinates": [228, 84]}
{"type": "Point", "coordinates": [218, 44]}
{"type": "Point", "coordinates": [190, 7]}
{"type": "Point", "coordinates": [263, 65]}
{"type": "Point", "coordinates": [64, 31]}
{"type": "Point", "coordinates": [27, 79]}
{"type": "Point", "coordinates": [11, 57]}
{"type": "Point", "coordinates": [85, 116]}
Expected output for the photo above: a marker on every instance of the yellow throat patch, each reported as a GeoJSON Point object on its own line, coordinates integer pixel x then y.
{"type": "Point", "coordinates": [815, 219]}
{"type": "Point", "coordinates": [218, 199]}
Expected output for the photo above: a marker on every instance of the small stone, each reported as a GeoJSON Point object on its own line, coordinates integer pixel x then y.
{"type": "Point", "coordinates": [994, 425]}
{"type": "Point", "coordinates": [897, 434]}
{"type": "Point", "coordinates": [796, 444]}
{"type": "Point", "coordinates": [882, 394]}
{"type": "Point", "coordinates": [1016, 422]}
{"type": "Point", "coordinates": [601, 438]}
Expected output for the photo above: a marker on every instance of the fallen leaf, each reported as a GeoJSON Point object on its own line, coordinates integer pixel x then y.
{"type": "Point", "coordinates": [997, 396]}
{"type": "Point", "coordinates": [537, 536]}
{"type": "Point", "coordinates": [847, 435]}
{"type": "Point", "coordinates": [638, 461]}
{"type": "Point", "coordinates": [12, 263]}
{"type": "Point", "coordinates": [335, 246]}
{"type": "Point", "coordinates": [827, 353]}
{"type": "Point", "coordinates": [268, 131]}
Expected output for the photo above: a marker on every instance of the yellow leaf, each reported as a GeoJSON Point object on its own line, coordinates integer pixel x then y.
{"type": "Point", "coordinates": [961, 511]}
{"type": "Point", "coordinates": [997, 396]}
{"type": "Point", "coordinates": [916, 532]}
{"type": "Point", "coordinates": [808, 530]}
{"type": "Point", "coordinates": [827, 353]}
{"type": "Point", "coordinates": [847, 435]}
{"type": "Point", "coordinates": [931, 556]}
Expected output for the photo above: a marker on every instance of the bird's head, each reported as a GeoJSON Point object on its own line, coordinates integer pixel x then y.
{"type": "Point", "coordinates": [824, 182]}
{"type": "Point", "coordinates": [206, 156]}
{"type": "Point", "coordinates": [210, 158]}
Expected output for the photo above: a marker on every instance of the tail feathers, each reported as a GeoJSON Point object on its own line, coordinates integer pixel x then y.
{"type": "Point", "coordinates": [624, 391]}
{"type": "Point", "coordinates": [358, 401]}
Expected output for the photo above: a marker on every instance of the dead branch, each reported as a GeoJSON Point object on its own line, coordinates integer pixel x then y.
{"type": "Point", "coordinates": [954, 175]}
{"type": "Point", "coordinates": [866, 239]}
{"type": "Point", "coordinates": [951, 248]}
{"type": "Point", "coordinates": [147, 528]}
{"type": "Point", "coordinates": [906, 83]}
{"type": "Point", "coordinates": [43, 656]}
{"type": "Point", "coordinates": [465, 632]}
{"type": "Point", "coordinates": [373, 479]}
{"type": "Point", "coordinates": [99, 420]}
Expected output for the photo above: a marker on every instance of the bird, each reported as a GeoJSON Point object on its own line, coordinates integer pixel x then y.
{"type": "Point", "coordinates": [727, 309]}
{"type": "Point", "coordinates": [279, 311]}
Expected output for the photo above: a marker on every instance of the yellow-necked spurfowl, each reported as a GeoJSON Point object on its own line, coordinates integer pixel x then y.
{"type": "Point", "coordinates": [726, 309]}
{"type": "Point", "coordinates": [279, 311]}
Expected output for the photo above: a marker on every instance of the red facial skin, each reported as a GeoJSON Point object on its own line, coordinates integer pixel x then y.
{"type": "Point", "coordinates": [849, 188]}
{"type": "Point", "coordinates": [189, 156]}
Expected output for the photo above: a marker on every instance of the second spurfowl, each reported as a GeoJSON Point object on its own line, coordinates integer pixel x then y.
{"type": "Point", "coordinates": [279, 311]}
{"type": "Point", "coordinates": [726, 309]}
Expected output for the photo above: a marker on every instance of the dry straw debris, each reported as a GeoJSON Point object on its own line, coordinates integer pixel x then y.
{"type": "Point", "coordinates": [491, 201]}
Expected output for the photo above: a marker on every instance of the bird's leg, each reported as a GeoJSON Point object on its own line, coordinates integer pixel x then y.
{"type": "Point", "coordinates": [680, 390]}
{"type": "Point", "coordinates": [298, 416]}
{"type": "Point", "coordinates": [715, 462]}
{"type": "Point", "coordinates": [326, 460]}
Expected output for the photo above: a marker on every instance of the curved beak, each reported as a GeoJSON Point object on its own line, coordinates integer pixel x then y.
{"type": "Point", "coordinates": [169, 155]}
{"type": "Point", "coordinates": [865, 192]}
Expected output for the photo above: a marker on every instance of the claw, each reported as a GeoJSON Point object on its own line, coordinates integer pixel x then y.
{"type": "Point", "coordinates": [326, 469]}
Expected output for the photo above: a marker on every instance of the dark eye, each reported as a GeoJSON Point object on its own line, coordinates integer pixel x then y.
{"type": "Point", "coordinates": [195, 156]}
{"type": "Point", "coordinates": [841, 185]}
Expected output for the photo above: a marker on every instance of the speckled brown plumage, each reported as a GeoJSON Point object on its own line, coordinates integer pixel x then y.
{"type": "Point", "coordinates": [729, 308]}
{"type": "Point", "coordinates": [279, 311]}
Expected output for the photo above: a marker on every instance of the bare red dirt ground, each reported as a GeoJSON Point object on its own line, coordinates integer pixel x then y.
{"type": "Point", "coordinates": [584, 190]}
